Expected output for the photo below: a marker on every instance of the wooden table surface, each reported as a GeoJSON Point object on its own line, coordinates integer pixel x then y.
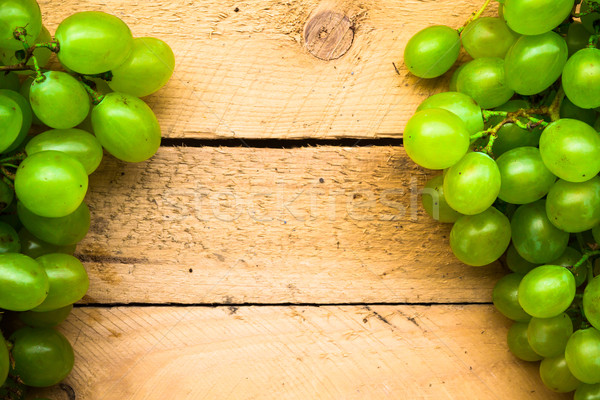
{"type": "Point", "coordinates": [275, 246]}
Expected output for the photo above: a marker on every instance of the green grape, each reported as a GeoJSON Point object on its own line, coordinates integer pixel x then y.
{"type": "Point", "coordinates": [9, 81]}
{"type": "Point", "coordinates": [51, 184]}
{"type": "Point", "coordinates": [434, 202]}
{"type": "Point", "coordinates": [59, 101]}
{"type": "Point", "coordinates": [589, 21]}
{"type": "Point", "coordinates": [43, 357]}
{"type": "Point", "coordinates": [34, 247]}
{"type": "Point", "coordinates": [571, 111]}
{"type": "Point", "coordinates": [484, 80]}
{"type": "Point", "coordinates": [577, 38]}
{"type": "Point", "coordinates": [79, 144]}
{"type": "Point", "coordinates": [547, 291]}
{"type": "Point", "coordinates": [505, 298]}
{"type": "Point", "coordinates": [591, 302]}
{"type": "Point", "coordinates": [488, 37]}
{"type": "Point", "coordinates": [19, 14]}
{"type": "Point", "coordinates": [459, 104]}
{"type": "Point", "coordinates": [26, 113]}
{"type": "Point", "coordinates": [432, 51]}
{"type": "Point", "coordinates": [480, 239]}
{"type": "Point", "coordinates": [574, 207]}
{"type": "Point", "coordinates": [42, 55]}
{"type": "Point", "coordinates": [510, 136]}
{"type": "Point", "coordinates": [518, 344]}
{"type": "Point", "coordinates": [523, 175]}
{"type": "Point", "coordinates": [569, 258]}
{"type": "Point", "coordinates": [534, 236]}
{"type": "Point", "coordinates": [4, 360]}
{"type": "Point", "coordinates": [556, 375]}
{"type": "Point", "coordinates": [25, 90]}
{"type": "Point", "coordinates": [9, 239]}
{"type": "Point", "coordinates": [93, 42]}
{"type": "Point", "coordinates": [454, 78]}
{"type": "Point", "coordinates": [535, 62]}
{"type": "Point", "coordinates": [516, 263]}
{"type": "Point", "coordinates": [534, 17]}
{"type": "Point", "coordinates": [147, 69]}
{"type": "Point", "coordinates": [472, 185]}
{"type": "Point", "coordinates": [436, 138]}
{"type": "Point", "coordinates": [587, 392]}
{"type": "Point", "coordinates": [548, 336]}
{"type": "Point", "coordinates": [581, 78]}
{"type": "Point", "coordinates": [583, 355]}
{"type": "Point", "coordinates": [23, 281]}
{"type": "Point", "coordinates": [596, 233]}
{"type": "Point", "coordinates": [6, 195]}
{"type": "Point", "coordinates": [62, 231]}
{"type": "Point", "coordinates": [11, 121]}
{"type": "Point", "coordinates": [569, 149]}
{"type": "Point", "coordinates": [47, 319]}
{"type": "Point", "coordinates": [126, 127]}
{"type": "Point", "coordinates": [68, 281]}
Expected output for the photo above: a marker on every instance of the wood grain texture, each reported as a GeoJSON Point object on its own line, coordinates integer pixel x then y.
{"type": "Point", "coordinates": [308, 225]}
{"type": "Point", "coordinates": [440, 352]}
{"type": "Point", "coordinates": [243, 70]}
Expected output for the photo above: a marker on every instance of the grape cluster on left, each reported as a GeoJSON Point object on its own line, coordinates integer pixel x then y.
{"type": "Point", "coordinates": [90, 105]}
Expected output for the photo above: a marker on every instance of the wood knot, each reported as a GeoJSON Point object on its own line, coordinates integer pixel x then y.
{"type": "Point", "coordinates": [328, 35]}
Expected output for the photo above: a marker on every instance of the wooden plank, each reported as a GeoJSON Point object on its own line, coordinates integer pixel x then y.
{"type": "Point", "coordinates": [243, 70]}
{"type": "Point", "coordinates": [309, 225]}
{"type": "Point", "coordinates": [440, 352]}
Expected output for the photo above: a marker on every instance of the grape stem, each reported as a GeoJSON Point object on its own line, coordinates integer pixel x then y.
{"type": "Point", "coordinates": [474, 16]}
{"type": "Point", "coordinates": [13, 158]}
{"type": "Point", "coordinates": [96, 97]}
{"type": "Point", "coordinates": [585, 257]}
{"type": "Point", "coordinates": [593, 7]}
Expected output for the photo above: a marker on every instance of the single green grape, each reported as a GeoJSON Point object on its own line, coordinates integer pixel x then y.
{"type": "Point", "coordinates": [47, 319]}
{"type": "Point", "coordinates": [480, 239]}
{"type": "Point", "coordinates": [42, 54]}
{"type": "Point", "coordinates": [534, 236]}
{"type": "Point", "coordinates": [59, 101]}
{"type": "Point", "coordinates": [459, 104]}
{"type": "Point", "coordinates": [534, 63]}
{"type": "Point", "coordinates": [43, 357]}
{"type": "Point", "coordinates": [4, 360]}
{"type": "Point", "coordinates": [547, 291]}
{"type": "Point", "coordinates": [569, 258]}
{"type": "Point", "coordinates": [9, 239]}
{"type": "Point", "coordinates": [26, 113]}
{"type": "Point", "coordinates": [92, 42]}
{"type": "Point", "coordinates": [516, 263]}
{"type": "Point", "coordinates": [147, 69]}
{"type": "Point", "coordinates": [126, 127]}
{"type": "Point", "coordinates": [62, 231]}
{"type": "Point", "coordinates": [569, 149]}
{"type": "Point", "coordinates": [518, 343]}
{"type": "Point", "coordinates": [571, 111]}
{"type": "Point", "coordinates": [523, 175]}
{"type": "Point", "coordinates": [535, 17]}
{"type": "Point", "coordinates": [33, 247]}
{"type": "Point", "coordinates": [577, 38]}
{"type": "Point", "coordinates": [548, 336]}
{"type": "Point", "coordinates": [19, 14]}
{"type": "Point", "coordinates": [472, 185]}
{"type": "Point", "coordinates": [488, 37]}
{"type": "Point", "coordinates": [79, 144]}
{"type": "Point", "coordinates": [23, 281]}
{"type": "Point", "coordinates": [505, 298]}
{"type": "Point", "coordinates": [587, 392]}
{"type": "Point", "coordinates": [11, 121]}
{"type": "Point", "coordinates": [483, 79]}
{"type": "Point", "coordinates": [556, 375]}
{"type": "Point", "coordinates": [68, 280]}
{"type": "Point", "coordinates": [581, 78]}
{"type": "Point", "coordinates": [434, 202]}
{"type": "Point", "coordinates": [574, 207]}
{"type": "Point", "coordinates": [51, 184]}
{"type": "Point", "coordinates": [583, 355]}
{"type": "Point", "coordinates": [432, 51]}
{"type": "Point", "coordinates": [591, 302]}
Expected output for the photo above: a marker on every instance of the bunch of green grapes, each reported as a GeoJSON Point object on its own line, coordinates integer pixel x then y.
{"type": "Point", "coordinates": [92, 104]}
{"type": "Point", "coordinates": [517, 141]}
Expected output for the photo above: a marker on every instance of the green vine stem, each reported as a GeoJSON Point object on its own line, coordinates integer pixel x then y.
{"type": "Point", "coordinates": [593, 7]}
{"type": "Point", "coordinates": [474, 16]}
{"type": "Point", "coordinates": [96, 97]}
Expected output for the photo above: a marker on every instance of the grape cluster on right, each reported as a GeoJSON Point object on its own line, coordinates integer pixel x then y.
{"type": "Point", "coordinates": [516, 140]}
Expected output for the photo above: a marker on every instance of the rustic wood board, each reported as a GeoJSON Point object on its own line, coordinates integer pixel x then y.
{"type": "Point", "coordinates": [399, 352]}
{"type": "Point", "coordinates": [248, 73]}
{"type": "Point", "coordinates": [248, 225]}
